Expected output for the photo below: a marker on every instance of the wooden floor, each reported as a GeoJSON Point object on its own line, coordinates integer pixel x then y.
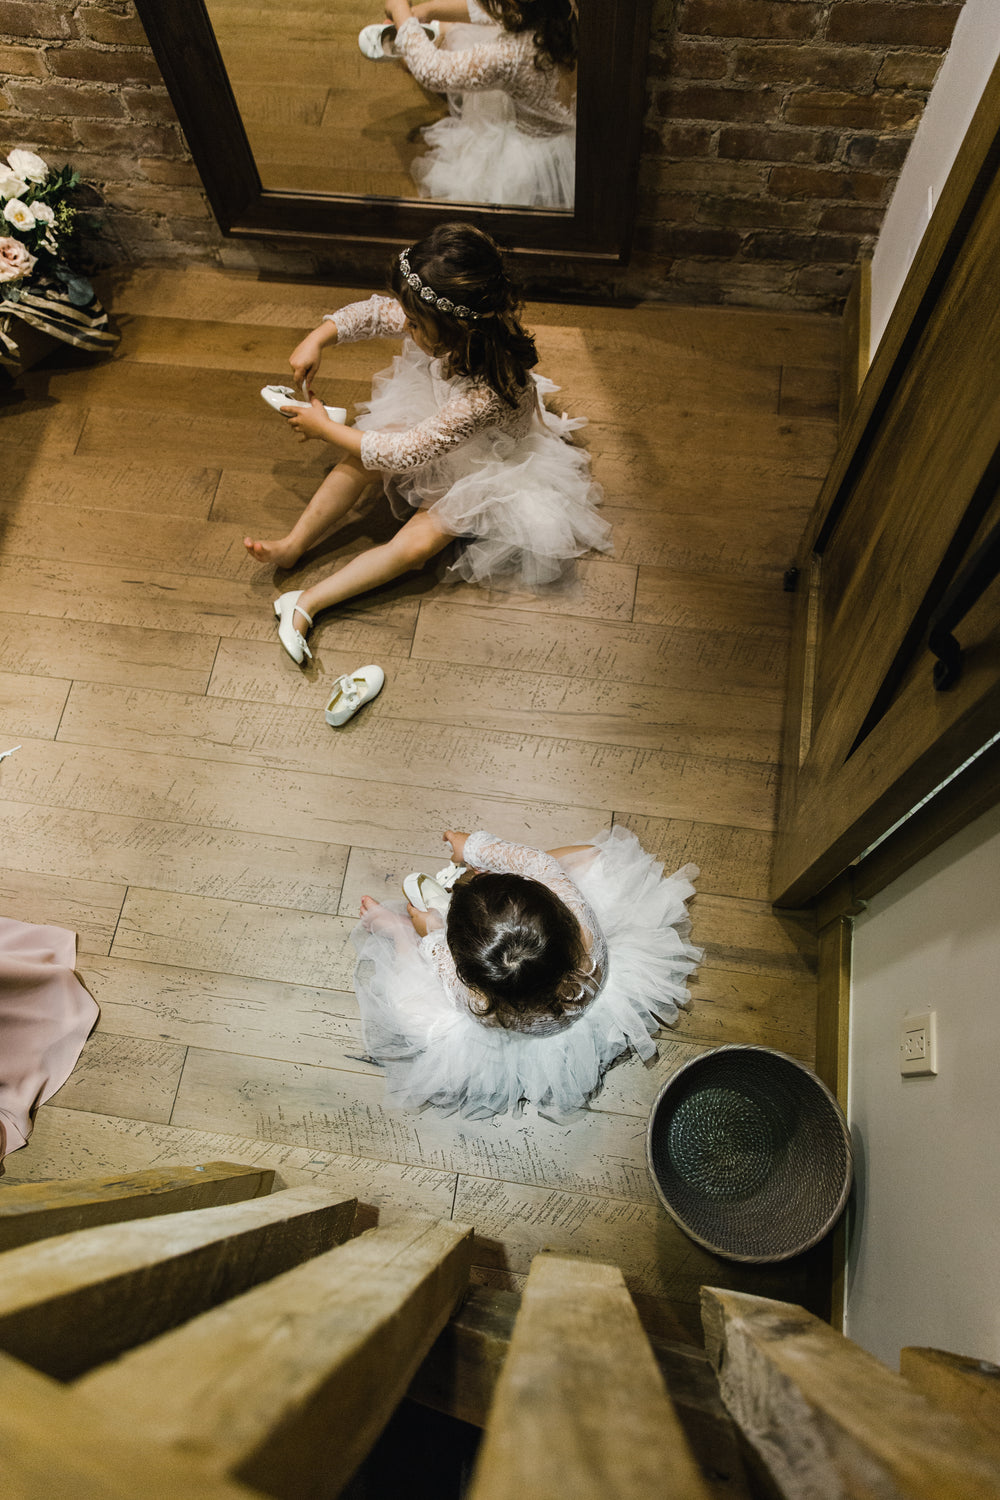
{"type": "Point", "coordinates": [320, 116]}
{"type": "Point", "coordinates": [180, 802]}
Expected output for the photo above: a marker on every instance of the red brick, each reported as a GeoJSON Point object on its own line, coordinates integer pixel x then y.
{"type": "Point", "coordinates": [103, 67]}
{"type": "Point", "coordinates": [708, 103]}
{"type": "Point", "coordinates": [757, 143]}
{"type": "Point", "coordinates": [706, 176]}
{"type": "Point", "coordinates": [63, 99]}
{"type": "Point", "coordinates": [126, 135]}
{"type": "Point", "coordinates": [909, 70]}
{"type": "Point", "coordinates": [890, 21]}
{"type": "Point", "coordinates": [753, 213]}
{"type": "Point", "coordinates": [817, 182]}
{"type": "Point", "coordinates": [852, 218]}
{"type": "Point", "coordinates": [155, 198]}
{"type": "Point", "coordinates": [827, 281]}
{"type": "Point", "coordinates": [679, 140]}
{"type": "Point", "coordinates": [696, 60]}
{"type": "Point", "coordinates": [851, 112]}
{"type": "Point", "coordinates": [160, 169]}
{"type": "Point", "coordinates": [46, 137]}
{"type": "Point", "coordinates": [22, 62]}
{"type": "Point", "coordinates": [100, 169]}
{"type": "Point", "coordinates": [769, 18]}
{"type": "Point", "coordinates": [30, 18]}
{"type": "Point", "coordinates": [831, 67]}
{"type": "Point", "coordinates": [881, 153]}
{"type": "Point", "coordinates": [104, 26]}
{"type": "Point", "coordinates": [804, 248]}
{"type": "Point", "coordinates": [149, 104]}
{"type": "Point", "coordinates": [666, 208]}
{"type": "Point", "coordinates": [681, 240]}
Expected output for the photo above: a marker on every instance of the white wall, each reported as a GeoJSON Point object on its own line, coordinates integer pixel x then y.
{"type": "Point", "coordinates": [974, 50]}
{"type": "Point", "coordinates": [924, 1265]}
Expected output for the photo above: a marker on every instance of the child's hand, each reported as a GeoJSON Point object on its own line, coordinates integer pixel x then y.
{"type": "Point", "coordinates": [418, 918]}
{"type": "Point", "coordinates": [305, 361]}
{"type": "Point", "coordinates": [457, 842]}
{"type": "Point", "coordinates": [312, 423]}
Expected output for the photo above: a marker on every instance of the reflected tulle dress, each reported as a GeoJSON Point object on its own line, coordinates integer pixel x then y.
{"type": "Point", "coordinates": [508, 137]}
{"type": "Point", "coordinates": [418, 1018]}
{"type": "Point", "coordinates": [505, 479]}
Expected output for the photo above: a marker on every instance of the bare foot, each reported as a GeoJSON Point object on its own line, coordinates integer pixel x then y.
{"type": "Point", "coordinates": [279, 554]}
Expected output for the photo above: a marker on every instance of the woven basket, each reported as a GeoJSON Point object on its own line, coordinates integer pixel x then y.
{"type": "Point", "coordinates": [750, 1153]}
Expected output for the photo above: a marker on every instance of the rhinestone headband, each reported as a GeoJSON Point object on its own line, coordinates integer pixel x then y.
{"type": "Point", "coordinates": [428, 295]}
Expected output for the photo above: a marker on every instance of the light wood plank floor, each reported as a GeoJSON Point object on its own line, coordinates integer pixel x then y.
{"type": "Point", "coordinates": [180, 802]}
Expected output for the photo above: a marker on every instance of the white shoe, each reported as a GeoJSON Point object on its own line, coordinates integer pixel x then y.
{"type": "Point", "coordinates": [425, 894]}
{"type": "Point", "coordinates": [278, 396]}
{"type": "Point", "coordinates": [286, 608]}
{"type": "Point", "coordinates": [379, 40]}
{"type": "Point", "coordinates": [352, 692]}
{"type": "Point", "coordinates": [449, 875]}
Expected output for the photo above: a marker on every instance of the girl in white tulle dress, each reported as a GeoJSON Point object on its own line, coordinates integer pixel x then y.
{"type": "Point", "coordinates": [545, 969]}
{"type": "Point", "coordinates": [510, 78]}
{"type": "Point", "coordinates": [456, 431]}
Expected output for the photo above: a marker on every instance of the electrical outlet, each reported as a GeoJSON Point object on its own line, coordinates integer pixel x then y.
{"type": "Point", "coordinates": [918, 1045]}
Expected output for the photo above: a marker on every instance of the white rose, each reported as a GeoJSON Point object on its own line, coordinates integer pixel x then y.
{"type": "Point", "coordinates": [27, 164]}
{"type": "Point", "coordinates": [11, 186]}
{"type": "Point", "coordinates": [44, 213]}
{"type": "Point", "coordinates": [15, 262]}
{"type": "Point", "coordinates": [19, 214]}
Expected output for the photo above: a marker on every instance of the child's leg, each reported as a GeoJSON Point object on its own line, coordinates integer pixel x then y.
{"type": "Point", "coordinates": [412, 546]}
{"type": "Point", "coordinates": [569, 849]}
{"type": "Point", "coordinates": [340, 491]}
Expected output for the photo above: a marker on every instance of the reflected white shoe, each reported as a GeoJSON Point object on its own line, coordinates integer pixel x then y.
{"type": "Point", "coordinates": [379, 40]}
{"type": "Point", "coordinates": [286, 608]}
{"type": "Point", "coordinates": [425, 894]}
{"type": "Point", "coordinates": [352, 692]}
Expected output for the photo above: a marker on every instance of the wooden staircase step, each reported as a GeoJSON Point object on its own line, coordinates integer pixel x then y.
{"type": "Point", "coordinates": [296, 1379]}
{"type": "Point", "coordinates": [38, 1210]}
{"type": "Point", "coordinates": [74, 1301]}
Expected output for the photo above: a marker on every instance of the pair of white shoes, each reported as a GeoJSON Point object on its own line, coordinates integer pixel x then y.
{"type": "Point", "coordinates": [350, 692]}
{"type": "Point", "coordinates": [379, 41]}
{"type": "Point", "coordinates": [428, 894]}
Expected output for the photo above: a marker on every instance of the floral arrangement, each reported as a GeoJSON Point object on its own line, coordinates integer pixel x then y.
{"type": "Point", "coordinates": [36, 223]}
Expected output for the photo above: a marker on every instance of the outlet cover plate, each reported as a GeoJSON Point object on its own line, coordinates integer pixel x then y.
{"type": "Point", "coordinates": [918, 1045]}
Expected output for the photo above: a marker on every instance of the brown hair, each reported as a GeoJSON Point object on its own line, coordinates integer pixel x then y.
{"type": "Point", "coordinates": [553, 22]}
{"type": "Point", "coordinates": [518, 948]}
{"type": "Point", "coordinates": [462, 264]}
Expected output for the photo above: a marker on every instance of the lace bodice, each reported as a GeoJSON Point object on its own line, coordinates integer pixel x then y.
{"type": "Point", "coordinates": [466, 406]}
{"type": "Point", "coordinates": [483, 852]}
{"type": "Point", "coordinates": [505, 62]}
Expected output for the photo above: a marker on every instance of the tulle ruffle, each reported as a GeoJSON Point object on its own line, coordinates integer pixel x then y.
{"type": "Point", "coordinates": [477, 154]}
{"type": "Point", "coordinates": [435, 1054]}
{"type": "Point", "coordinates": [524, 505]}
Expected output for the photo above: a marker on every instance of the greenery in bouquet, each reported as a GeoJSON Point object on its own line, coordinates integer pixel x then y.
{"type": "Point", "coordinates": [36, 227]}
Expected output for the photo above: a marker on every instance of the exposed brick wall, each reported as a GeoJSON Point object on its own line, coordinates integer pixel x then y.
{"type": "Point", "coordinates": [774, 133]}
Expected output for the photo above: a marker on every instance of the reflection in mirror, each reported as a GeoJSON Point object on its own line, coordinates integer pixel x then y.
{"type": "Point", "coordinates": [468, 103]}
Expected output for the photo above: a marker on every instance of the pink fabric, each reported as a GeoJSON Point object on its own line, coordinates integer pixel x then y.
{"type": "Point", "coordinates": [46, 1015]}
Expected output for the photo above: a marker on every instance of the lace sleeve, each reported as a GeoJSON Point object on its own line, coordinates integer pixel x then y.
{"type": "Point", "coordinates": [377, 318]}
{"type": "Point", "coordinates": [466, 413]}
{"type": "Point", "coordinates": [484, 852]}
{"type": "Point", "coordinates": [489, 65]}
{"type": "Point", "coordinates": [478, 16]}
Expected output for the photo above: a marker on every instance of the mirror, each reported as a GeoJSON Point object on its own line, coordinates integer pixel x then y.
{"type": "Point", "coordinates": [331, 160]}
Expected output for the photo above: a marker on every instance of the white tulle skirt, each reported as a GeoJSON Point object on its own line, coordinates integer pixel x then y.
{"type": "Point", "coordinates": [525, 506]}
{"type": "Point", "coordinates": [477, 153]}
{"type": "Point", "coordinates": [435, 1054]}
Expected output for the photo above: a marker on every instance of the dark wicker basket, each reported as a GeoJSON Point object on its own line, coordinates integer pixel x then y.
{"type": "Point", "coordinates": [750, 1153]}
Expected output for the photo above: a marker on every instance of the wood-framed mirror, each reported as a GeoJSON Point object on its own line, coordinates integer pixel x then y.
{"type": "Point", "coordinates": [610, 102]}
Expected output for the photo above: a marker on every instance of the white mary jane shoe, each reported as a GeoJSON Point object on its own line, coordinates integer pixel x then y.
{"type": "Point", "coordinates": [351, 692]}
{"type": "Point", "coordinates": [425, 894]}
{"type": "Point", "coordinates": [378, 41]}
{"type": "Point", "coordinates": [293, 641]}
